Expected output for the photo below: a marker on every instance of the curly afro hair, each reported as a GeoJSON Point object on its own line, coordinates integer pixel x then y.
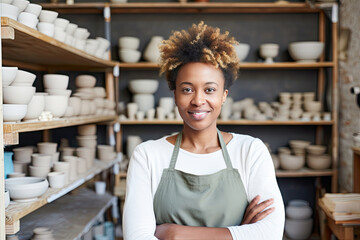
{"type": "Point", "coordinates": [201, 43]}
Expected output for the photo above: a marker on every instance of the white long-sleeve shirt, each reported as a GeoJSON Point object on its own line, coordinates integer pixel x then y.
{"type": "Point", "coordinates": [249, 155]}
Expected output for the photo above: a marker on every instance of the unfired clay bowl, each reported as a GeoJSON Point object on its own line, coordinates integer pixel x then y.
{"type": "Point", "coordinates": [316, 149]}
{"type": "Point", "coordinates": [35, 107]}
{"type": "Point", "coordinates": [87, 141]}
{"type": "Point", "coordinates": [14, 112]}
{"type": "Point", "coordinates": [129, 42]}
{"type": "Point", "coordinates": [8, 75]}
{"type": "Point", "coordinates": [48, 16]}
{"type": "Point", "coordinates": [47, 147]}
{"type": "Point", "coordinates": [242, 50]}
{"type": "Point", "coordinates": [9, 11]}
{"type": "Point", "coordinates": [85, 81]}
{"type": "Point", "coordinates": [148, 86]}
{"type": "Point", "coordinates": [34, 9]}
{"type": "Point", "coordinates": [23, 154]}
{"type": "Point", "coordinates": [298, 229]}
{"type": "Point", "coordinates": [56, 179]}
{"type": "Point", "coordinates": [318, 162]}
{"type": "Point", "coordinates": [298, 143]}
{"type": "Point", "coordinates": [26, 188]}
{"type": "Point", "coordinates": [86, 130]}
{"type": "Point", "coordinates": [39, 171]}
{"type": "Point", "coordinates": [291, 162]}
{"type": "Point", "coordinates": [57, 81]}
{"type": "Point", "coordinates": [18, 94]}
{"type": "Point", "coordinates": [56, 104]}
{"type": "Point", "coordinates": [41, 160]}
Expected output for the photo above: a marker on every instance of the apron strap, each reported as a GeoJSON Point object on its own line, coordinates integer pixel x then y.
{"type": "Point", "coordinates": [175, 152]}
{"type": "Point", "coordinates": [177, 148]}
{"type": "Point", "coordinates": [224, 151]}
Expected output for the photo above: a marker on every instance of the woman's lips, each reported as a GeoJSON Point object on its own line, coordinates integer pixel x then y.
{"type": "Point", "coordinates": [199, 115]}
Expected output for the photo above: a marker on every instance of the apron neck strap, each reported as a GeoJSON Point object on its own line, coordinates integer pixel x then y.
{"type": "Point", "coordinates": [223, 149]}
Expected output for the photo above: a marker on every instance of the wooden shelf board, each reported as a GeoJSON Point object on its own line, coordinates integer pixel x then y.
{"type": "Point", "coordinates": [32, 47]}
{"type": "Point", "coordinates": [61, 122]}
{"type": "Point", "coordinates": [230, 122]}
{"type": "Point", "coordinates": [305, 172]}
{"type": "Point", "coordinates": [244, 65]}
{"type": "Point", "coordinates": [69, 217]}
{"type": "Point", "coordinates": [356, 150]}
{"type": "Point", "coordinates": [191, 7]}
{"type": "Point", "coordinates": [15, 211]}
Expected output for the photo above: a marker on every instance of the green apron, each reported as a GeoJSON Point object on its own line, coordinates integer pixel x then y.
{"type": "Point", "coordinates": [213, 200]}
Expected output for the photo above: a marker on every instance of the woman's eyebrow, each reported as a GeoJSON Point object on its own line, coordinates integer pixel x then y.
{"type": "Point", "coordinates": [189, 83]}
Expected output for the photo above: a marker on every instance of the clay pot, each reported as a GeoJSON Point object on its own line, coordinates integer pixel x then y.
{"type": "Point", "coordinates": [152, 53]}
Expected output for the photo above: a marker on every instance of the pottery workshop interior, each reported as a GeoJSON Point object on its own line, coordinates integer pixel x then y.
{"type": "Point", "coordinates": [258, 100]}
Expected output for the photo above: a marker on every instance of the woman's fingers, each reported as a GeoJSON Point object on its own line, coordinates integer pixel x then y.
{"type": "Point", "coordinates": [255, 210]}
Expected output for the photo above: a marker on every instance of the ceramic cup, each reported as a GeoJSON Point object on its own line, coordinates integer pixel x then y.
{"type": "Point", "coordinates": [56, 179]}
{"type": "Point", "coordinates": [100, 187]}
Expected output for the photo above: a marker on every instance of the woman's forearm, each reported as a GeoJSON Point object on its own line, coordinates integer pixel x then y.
{"type": "Point", "coordinates": [174, 232]}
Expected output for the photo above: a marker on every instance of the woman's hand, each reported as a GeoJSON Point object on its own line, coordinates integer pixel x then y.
{"type": "Point", "coordinates": [165, 231]}
{"type": "Point", "coordinates": [255, 211]}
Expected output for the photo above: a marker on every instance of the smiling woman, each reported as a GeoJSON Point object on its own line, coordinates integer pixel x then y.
{"type": "Point", "coordinates": [202, 183]}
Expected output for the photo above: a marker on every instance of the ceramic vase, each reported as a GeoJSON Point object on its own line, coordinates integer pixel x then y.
{"type": "Point", "coordinates": [152, 53]}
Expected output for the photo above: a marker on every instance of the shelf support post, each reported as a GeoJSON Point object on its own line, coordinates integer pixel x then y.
{"type": "Point", "coordinates": [7, 33]}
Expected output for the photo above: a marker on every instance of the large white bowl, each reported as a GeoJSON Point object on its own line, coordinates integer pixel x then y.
{"type": "Point", "coordinates": [318, 162]}
{"type": "Point", "coordinates": [8, 75]}
{"type": "Point", "coordinates": [10, 11]}
{"type": "Point", "coordinates": [143, 86]}
{"type": "Point", "coordinates": [306, 51]}
{"type": "Point", "coordinates": [26, 188]}
{"type": "Point", "coordinates": [85, 81]}
{"type": "Point", "coordinates": [14, 112]}
{"type": "Point", "coordinates": [129, 42]}
{"type": "Point", "coordinates": [242, 50]}
{"type": "Point", "coordinates": [23, 78]}
{"type": "Point", "coordinates": [57, 81]}
{"type": "Point", "coordinates": [48, 16]}
{"type": "Point", "coordinates": [298, 229]}
{"type": "Point", "coordinates": [18, 94]}
{"type": "Point", "coordinates": [56, 104]}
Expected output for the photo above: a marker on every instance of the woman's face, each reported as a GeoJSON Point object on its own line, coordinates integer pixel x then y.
{"type": "Point", "coordinates": [199, 94]}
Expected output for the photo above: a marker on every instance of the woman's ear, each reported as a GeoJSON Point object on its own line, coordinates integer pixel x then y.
{"type": "Point", "coordinates": [226, 92]}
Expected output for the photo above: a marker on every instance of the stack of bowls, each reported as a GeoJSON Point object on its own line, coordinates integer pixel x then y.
{"type": "Point", "coordinates": [298, 147]}
{"type": "Point", "coordinates": [29, 15]}
{"type": "Point", "coordinates": [40, 165]}
{"type": "Point", "coordinates": [18, 94]}
{"type": "Point", "coordinates": [87, 143]}
{"type": "Point", "coordinates": [20, 4]}
{"type": "Point", "coordinates": [102, 48]}
{"type": "Point", "coordinates": [288, 161]}
{"type": "Point", "coordinates": [316, 157]}
{"type": "Point", "coordinates": [298, 223]}
{"type": "Point", "coordinates": [106, 152]}
{"type": "Point", "coordinates": [22, 158]}
{"type": "Point", "coordinates": [42, 233]}
{"type": "Point", "coordinates": [60, 26]}
{"type": "Point", "coordinates": [128, 49]}
{"type": "Point", "coordinates": [49, 148]}
{"type": "Point", "coordinates": [62, 167]}
{"type": "Point", "coordinates": [25, 189]}
{"type": "Point", "coordinates": [143, 93]}
{"type": "Point", "coordinates": [57, 101]}
{"type": "Point", "coordinates": [46, 24]}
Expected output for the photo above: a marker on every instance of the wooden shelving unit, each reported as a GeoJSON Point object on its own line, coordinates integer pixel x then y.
{"type": "Point", "coordinates": [304, 172]}
{"type": "Point", "coordinates": [230, 122]}
{"type": "Point", "coordinates": [30, 49]}
{"type": "Point", "coordinates": [66, 216]}
{"type": "Point", "coordinates": [244, 65]}
{"type": "Point", "coordinates": [191, 7]}
{"type": "Point", "coordinates": [11, 130]}
{"type": "Point", "coordinates": [15, 211]}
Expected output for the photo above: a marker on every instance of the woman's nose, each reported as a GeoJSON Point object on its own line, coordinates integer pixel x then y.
{"type": "Point", "coordinates": [198, 99]}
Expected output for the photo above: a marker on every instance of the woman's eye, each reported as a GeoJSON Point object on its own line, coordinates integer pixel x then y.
{"type": "Point", "coordinates": [187, 90]}
{"type": "Point", "coordinates": [210, 90]}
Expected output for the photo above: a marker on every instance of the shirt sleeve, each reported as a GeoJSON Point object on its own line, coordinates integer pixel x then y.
{"type": "Point", "coordinates": [138, 218]}
{"type": "Point", "coordinates": [261, 180]}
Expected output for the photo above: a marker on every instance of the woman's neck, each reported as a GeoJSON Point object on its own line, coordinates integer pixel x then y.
{"type": "Point", "coordinates": [205, 141]}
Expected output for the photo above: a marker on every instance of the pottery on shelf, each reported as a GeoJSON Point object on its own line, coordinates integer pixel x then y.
{"type": "Point", "coordinates": [26, 188]}
{"type": "Point", "coordinates": [152, 52]}
{"type": "Point", "coordinates": [269, 51]}
{"type": "Point", "coordinates": [306, 52]}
